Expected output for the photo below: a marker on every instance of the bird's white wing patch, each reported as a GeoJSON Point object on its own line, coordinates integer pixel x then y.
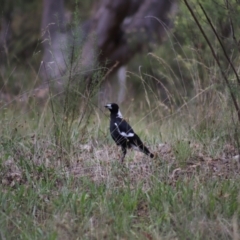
{"type": "Point", "coordinates": [123, 133]}
{"type": "Point", "coordinates": [119, 114]}
{"type": "Point", "coordinates": [127, 134]}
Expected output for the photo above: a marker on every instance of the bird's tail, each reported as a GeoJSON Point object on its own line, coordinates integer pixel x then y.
{"type": "Point", "coordinates": [139, 146]}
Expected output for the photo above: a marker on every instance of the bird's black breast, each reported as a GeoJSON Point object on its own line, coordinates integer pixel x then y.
{"type": "Point", "coordinates": [117, 137]}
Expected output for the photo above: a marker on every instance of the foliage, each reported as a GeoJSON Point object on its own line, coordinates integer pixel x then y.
{"type": "Point", "coordinates": [184, 61]}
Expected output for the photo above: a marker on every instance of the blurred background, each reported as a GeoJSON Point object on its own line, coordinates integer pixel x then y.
{"type": "Point", "coordinates": [124, 47]}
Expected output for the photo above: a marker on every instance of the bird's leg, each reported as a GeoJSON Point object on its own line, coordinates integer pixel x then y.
{"type": "Point", "coordinates": [124, 150]}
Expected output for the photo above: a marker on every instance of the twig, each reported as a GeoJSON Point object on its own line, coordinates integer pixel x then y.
{"type": "Point", "coordinates": [52, 107]}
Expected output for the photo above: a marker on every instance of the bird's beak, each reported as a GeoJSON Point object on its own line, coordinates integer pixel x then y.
{"type": "Point", "coordinates": [108, 106]}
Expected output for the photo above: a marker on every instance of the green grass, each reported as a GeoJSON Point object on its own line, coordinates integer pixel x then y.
{"type": "Point", "coordinates": [54, 207]}
{"type": "Point", "coordinates": [186, 192]}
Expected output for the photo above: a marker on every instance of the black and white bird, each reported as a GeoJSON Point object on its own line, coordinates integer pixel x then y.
{"type": "Point", "coordinates": [123, 134]}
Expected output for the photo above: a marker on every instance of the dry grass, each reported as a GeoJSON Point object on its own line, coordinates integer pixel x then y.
{"type": "Point", "coordinates": [189, 190]}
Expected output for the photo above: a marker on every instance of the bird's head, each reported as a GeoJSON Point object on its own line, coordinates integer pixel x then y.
{"type": "Point", "coordinates": [114, 109]}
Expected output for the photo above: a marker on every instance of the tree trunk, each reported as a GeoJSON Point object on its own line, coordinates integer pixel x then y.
{"type": "Point", "coordinates": [116, 31]}
{"type": "Point", "coordinates": [55, 39]}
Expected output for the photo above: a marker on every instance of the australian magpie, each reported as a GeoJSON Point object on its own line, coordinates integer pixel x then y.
{"type": "Point", "coordinates": [123, 134]}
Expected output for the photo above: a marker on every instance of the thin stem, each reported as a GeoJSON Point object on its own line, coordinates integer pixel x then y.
{"type": "Point", "coordinates": [216, 59]}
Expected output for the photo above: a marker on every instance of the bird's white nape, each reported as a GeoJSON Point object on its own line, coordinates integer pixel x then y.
{"type": "Point", "coordinates": [119, 114]}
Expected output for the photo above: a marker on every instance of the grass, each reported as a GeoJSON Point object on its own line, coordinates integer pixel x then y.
{"type": "Point", "coordinates": [60, 175]}
{"type": "Point", "coordinates": [190, 190]}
